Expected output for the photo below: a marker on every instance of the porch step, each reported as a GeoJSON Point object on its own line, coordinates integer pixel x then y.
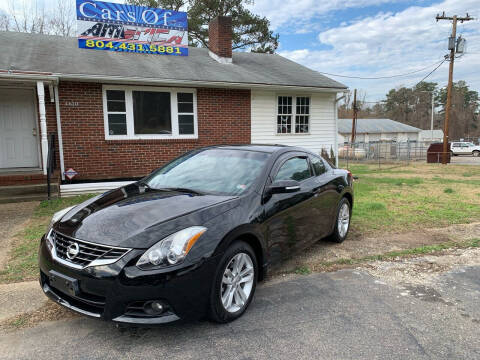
{"type": "Point", "coordinates": [31, 189]}
{"type": "Point", "coordinates": [22, 178]}
{"type": "Point", "coordinates": [23, 198]}
{"type": "Point", "coordinates": [32, 192]}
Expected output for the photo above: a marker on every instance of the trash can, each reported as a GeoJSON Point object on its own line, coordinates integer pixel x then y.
{"type": "Point", "coordinates": [435, 151]}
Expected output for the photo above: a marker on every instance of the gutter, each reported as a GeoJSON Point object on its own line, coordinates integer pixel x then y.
{"type": "Point", "coordinates": [191, 83]}
{"type": "Point", "coordinates": [55, 77]}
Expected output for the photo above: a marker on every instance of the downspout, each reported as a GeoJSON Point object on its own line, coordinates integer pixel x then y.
{"type": "Point", "coordinates": [59, 132]}
{"type": "Point", "coordinates": [335, 111]}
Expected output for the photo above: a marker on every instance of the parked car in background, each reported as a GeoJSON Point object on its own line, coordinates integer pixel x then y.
{"type": "Point", "coordinates": [464, 148]}
{"type": "Point", "coordinates": [193, 238]}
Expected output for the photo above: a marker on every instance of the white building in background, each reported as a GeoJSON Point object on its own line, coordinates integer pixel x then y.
{"type": "Point", "coordinates": [430, 136]}
{"type": "Point", "coordinates": [376, 130]}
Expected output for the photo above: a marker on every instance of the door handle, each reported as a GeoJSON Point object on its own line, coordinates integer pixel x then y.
{"type": "Point", "coordinates": [34, 132]}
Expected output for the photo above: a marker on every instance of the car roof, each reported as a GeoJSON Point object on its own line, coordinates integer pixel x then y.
{"type": "Point", "coordinates": [266, 148]}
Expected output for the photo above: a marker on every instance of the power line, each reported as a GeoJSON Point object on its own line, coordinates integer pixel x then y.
{"type": "Point", "coordinates": [381, 77]}
{"type": "Point", "coordinates": [430, 73]}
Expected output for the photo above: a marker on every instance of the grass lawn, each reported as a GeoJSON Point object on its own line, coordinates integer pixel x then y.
{"type": "Point", "coordinates": [23, 264]}
{"type": "Point", "coordinates": [405, 198]}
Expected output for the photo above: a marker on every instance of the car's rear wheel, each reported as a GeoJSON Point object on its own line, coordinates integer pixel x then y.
{"type": "Point", "coordinates": [235, 283]}
{"type": "Point", "coordinates": [476, 153]}
{"type": "Point", "coordinates": [342, 223]}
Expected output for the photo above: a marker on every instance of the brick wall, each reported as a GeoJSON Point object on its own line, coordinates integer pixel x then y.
{"type": "Point", "coordinates": [223, 118]}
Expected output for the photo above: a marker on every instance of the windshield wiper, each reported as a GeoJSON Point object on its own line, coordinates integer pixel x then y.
{"type": "Point", "coordinates": [181, 189]}
{"type": "Point", "coordinates": [144, 184]}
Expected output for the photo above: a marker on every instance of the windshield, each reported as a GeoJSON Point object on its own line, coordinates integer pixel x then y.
{"type": "Point", "coordinates": [211, 171]}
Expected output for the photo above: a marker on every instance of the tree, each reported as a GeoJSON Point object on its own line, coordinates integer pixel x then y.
{"type": "Point", "coordinates": [62, 20]}
{"type": "Point", "coordinates": [464, 113]}
{"type": "Point", "coordinates": [250, 31]}
{"type": "Point", "coordinates": [31, 16]}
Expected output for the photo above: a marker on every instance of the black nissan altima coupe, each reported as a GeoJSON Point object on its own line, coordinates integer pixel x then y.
{"type": "Point", "coordinates": [192, 239]}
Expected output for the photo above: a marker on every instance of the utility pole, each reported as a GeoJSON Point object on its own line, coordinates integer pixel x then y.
{"type": "Point", "coordinates": [451, 46]}
{"type": "Point", "coordinates": [354, 120]}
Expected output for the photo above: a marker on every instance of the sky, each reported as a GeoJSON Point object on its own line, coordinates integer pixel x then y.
{"type": "Point", "coordinates": [372, 38]}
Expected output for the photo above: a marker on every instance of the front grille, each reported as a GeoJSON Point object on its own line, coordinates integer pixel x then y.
{"type": "Point", "coordinates": [88, 252]}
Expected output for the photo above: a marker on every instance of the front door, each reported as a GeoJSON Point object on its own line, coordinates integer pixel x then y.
{"type": "Point", "coordinates": [18, 129]}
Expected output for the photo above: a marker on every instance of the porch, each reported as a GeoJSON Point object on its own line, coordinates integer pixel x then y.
{"type": "Point", "coordinates": [27, 160]}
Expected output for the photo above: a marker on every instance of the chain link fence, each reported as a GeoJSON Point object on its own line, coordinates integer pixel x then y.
{"type": "Point", "coordinates": [383, 152]}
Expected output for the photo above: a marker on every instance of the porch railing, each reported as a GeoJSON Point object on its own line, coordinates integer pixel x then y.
{"type": "Point", "coordinates": [51, 163]}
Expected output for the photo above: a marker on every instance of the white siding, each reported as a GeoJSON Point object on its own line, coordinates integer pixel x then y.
{"type": "Point", "coordinates": [322, 121]}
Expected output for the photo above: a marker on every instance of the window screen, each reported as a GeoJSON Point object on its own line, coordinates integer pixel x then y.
{"type": "Point", "coordinates": [151, 112]}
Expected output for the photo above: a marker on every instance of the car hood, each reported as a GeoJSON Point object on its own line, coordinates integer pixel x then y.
{"type": "Point", "coordinates": [133, 216]}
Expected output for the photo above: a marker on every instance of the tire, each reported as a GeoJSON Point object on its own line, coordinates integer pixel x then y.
{"type": "Point", "coordinates": [339, 235]}
{"type": "Point", "coordinates": [476, 153]}
{"type": "Point", "coordinates": [218, 311]}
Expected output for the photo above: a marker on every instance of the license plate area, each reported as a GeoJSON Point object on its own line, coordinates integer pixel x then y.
{"type": "Point", "coordinates": [64, 283]}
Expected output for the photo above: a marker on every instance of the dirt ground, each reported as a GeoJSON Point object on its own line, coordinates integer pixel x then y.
{"type": "Point", "coordinates": [356, 247]}
{"type": "Point", "coordinates": [13, 217]}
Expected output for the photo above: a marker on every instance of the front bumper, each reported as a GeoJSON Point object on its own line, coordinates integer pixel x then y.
{"type": "Point", "coordinates": [108, 292]}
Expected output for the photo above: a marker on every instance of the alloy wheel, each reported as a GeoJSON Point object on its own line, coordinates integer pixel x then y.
{"type": "Point", "coordinates": [343, 219]}
{"type": "Point", "coordinates": [237, 282]}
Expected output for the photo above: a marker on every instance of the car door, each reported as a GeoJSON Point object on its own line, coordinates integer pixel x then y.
{"type": "Point", "coordinates": [288, 217]}
{"type": "Point", "coordinates": [326, 196]}
{"type": "Point", "coordinates": [456, 148]}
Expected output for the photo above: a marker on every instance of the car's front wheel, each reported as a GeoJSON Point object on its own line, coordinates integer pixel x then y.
{"type": "Point", "coordinates": [235, 283]}
{"type": "Point", "coordinates": [476, 153]}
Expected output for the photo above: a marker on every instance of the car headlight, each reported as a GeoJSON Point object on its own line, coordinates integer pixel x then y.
{"type": "Point", "coordinates": [49, 241]}
{"type": "Point", "coordinates": [173, 249]}
{"type": "Point", "coordinates": [57, 216]}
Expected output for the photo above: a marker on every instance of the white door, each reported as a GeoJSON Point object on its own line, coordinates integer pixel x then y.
{"type": "Point", "coordinates": [18, 129]}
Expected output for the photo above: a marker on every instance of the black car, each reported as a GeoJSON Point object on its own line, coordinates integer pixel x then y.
{"type": "Point", "coordinates": [193, 238]}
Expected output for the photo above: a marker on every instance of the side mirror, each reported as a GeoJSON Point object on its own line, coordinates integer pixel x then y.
{"type": "Point", "coordinates": [284, 186]}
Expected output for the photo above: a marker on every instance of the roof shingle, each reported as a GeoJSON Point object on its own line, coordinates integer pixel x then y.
{"type": "Point", "coordinates": [60, 55]}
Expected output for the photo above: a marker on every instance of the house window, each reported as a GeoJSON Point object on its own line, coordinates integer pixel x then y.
{"type": "Point", "coordinates": [149, 113]}
{"type": "Point", "coordinates": [284, 115]}
{"type": "Point", "coordinates": [302, 115]}
{"type": "Point", "coordinates": [286, 112]}
{"type": "Point", "coordinates": [117, 113]}
{"type": "Point", "coordinates": [186, 114]}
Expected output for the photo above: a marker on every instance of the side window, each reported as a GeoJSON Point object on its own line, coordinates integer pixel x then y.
{"type": "Point", "coordinates": [455, 145]}
{"type": "Point", "coordinates": [318, 165]}
{"type": "Point", "coordinates": [294, 169]}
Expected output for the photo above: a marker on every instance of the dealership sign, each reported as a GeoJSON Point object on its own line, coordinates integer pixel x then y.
{"type": "Point", "coordinates": [129, 28]}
